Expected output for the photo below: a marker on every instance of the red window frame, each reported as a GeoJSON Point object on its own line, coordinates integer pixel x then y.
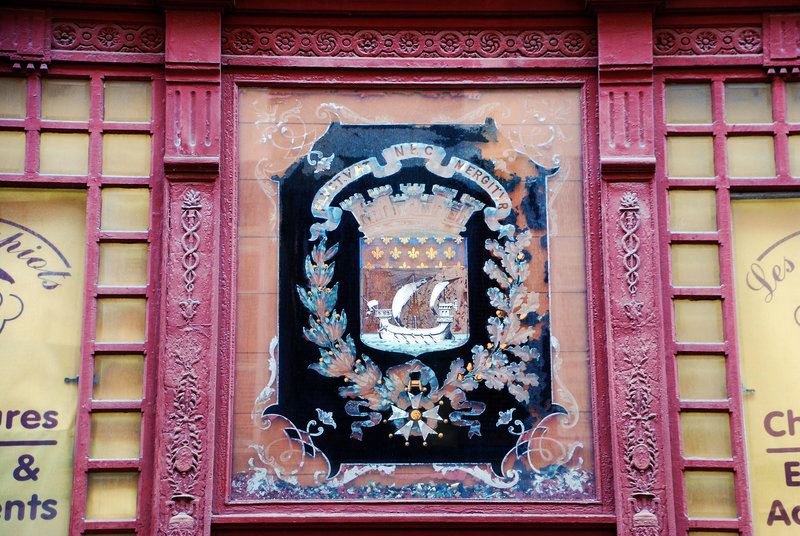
{"type": "Point", "coordinates": [586, 514]}
{"type": "Point", "coordinates": [92, 183]}
{"type": "Point", "coordinates": [724, 186]}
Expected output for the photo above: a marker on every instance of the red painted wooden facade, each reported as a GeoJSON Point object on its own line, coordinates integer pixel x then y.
{"type": "Point", "coordinates": [619, 53]}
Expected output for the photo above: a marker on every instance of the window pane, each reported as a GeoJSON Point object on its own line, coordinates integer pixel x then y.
{"type": "Point", "coordinates": [115, 435]}
{"type": "Point", "coordinates": [692, 211]}
{"type": "Point", "coordinates": [12, 152]}
{"type": "Point", "coordinates": [702, 377]}
{"type": "Point", "coordinates": [710, 494]}
{"type": "Point", "coordinates": [748, 103]}
{"type": "Point", "coordinates": [123, 265]}
{"type": "Point", "coordinates": [688, 104]}
{"type": "Point", "coordinates": [119, 377]}
{"type": "Point", "coordinates": [128, 101]}
{"type": "Point", "coordinates": [751, 156]}
{"type": "Point", "coordinates": [767, 284]}
{"type": "Point", "coordinates": [126, 155]}
{"type": "Point", "coordinates": [65, 100]}
{"type": "Point", "coordinates": [112, 495]}
{"type": "Point", "coordinates": [698, 320]}
{"type": "Point", "coordinates": [120, 319]}
{"type": "Point", "coordinates": [690, 156]}
{"type": "Point", "coordinates": [43, 237]}
{"type": "Point", "coordinates": [64, 154]}
{"type": "Point", "coordinates": [706, 435]}
{"type": "Point", "coordinates": [793, 102]}
{"type": "Point", "coordinates": [273, 224]}
{"type": "Point", "coordinates": [695, 265]}
{"type": "Point", "coordinates": [12, 98]}
{"type": "Point", "coordinates": [125, 209]}
{"type": "Point", "coordinates": [794, 156]}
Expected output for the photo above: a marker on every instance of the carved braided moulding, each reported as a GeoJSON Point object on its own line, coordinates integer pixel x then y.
{"type": "Point", "coordinates": [707, 41]}
{"type": "Point", "coordinates": [630, 221]}
{"type": "Point", "coordinates": [105, 37]}
{"type": "Point", "coordinates": [248, 41]}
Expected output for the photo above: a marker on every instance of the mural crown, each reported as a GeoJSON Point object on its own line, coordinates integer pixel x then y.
{"type": "Point", "coordinates": [413, 211]}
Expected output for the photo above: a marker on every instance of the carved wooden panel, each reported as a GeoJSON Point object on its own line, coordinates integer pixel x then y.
{"type": "Point", "coordinates": [184, 460]}
{"type": "Point", "coordinates": [626, 121]}
{"type": "Point", "coordinates": [636, 367]}
{"type": "Point", "coordinates": [193, 120]}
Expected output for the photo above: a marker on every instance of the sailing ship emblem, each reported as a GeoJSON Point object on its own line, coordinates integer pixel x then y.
{"type": "Point", "coordinates": [413, 268]}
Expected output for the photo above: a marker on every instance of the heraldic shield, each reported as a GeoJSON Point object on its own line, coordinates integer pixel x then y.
{"type": "Point", "coordinates": [413, 268]}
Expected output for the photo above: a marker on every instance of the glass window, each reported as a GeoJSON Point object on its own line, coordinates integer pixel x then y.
{"type": "Point", "coordinates": [399, 332]}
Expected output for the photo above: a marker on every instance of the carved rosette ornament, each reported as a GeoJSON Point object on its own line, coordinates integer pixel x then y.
{"type": "Point", "coordinates": [707, 41]}
{"type": "Point", "coordinates": [105, 37]}
{"type": "Point", "coordinates": [407, 43]}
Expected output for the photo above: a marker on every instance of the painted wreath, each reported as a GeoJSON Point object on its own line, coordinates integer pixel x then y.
{"type": "Point", "coordinates": [501, 363]}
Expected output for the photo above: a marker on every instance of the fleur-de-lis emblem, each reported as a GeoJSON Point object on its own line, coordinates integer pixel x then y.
{"type": "Point", "coordinates": [395, 253]}
{"type": "Point", "coordinates": [414, 253]}
{"type": "Point", "coordinates": [377, 253]}
{"type": "Point", "coordinates": [403, 240]}
{"type": "Point", "coordinates": [431, 253]}
{"type": "Point", "coordinates": [449, 253]}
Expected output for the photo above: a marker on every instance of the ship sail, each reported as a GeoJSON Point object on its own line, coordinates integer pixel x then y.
{"type": "Point", "coordinates": [402, 296]}
{"type": "Point", "coordinates": [438, 288]}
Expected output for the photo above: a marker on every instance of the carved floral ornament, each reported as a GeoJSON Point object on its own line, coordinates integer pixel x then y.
{"type": "Point", "coordinates": [707, 41]}
{"type": "Point", "coordinates": [249, 41]}
{"type": "Point", "coordinates": [105, 37]}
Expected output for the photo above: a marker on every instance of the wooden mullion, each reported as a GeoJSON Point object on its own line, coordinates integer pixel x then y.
{"type": "Point", "coordinates": [126, 406]}
{"type": "Point", "coordinates": [707, 464]}
{"type": "Point", "coordinates": [115, 465]}
{"type": "Point", "coordinates": [121, 292]}
{"type": "Point", "coordinates": [689, 405]}
{"type": "Point", "coordinates": [697, 292]}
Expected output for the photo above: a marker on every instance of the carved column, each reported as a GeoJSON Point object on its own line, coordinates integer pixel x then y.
{"type": "Point", "coordinates": [638, 398]}
{"type": "Point", "coordinates": [186, 403]}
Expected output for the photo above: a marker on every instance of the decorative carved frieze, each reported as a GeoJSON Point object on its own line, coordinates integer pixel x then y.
{"type": "Point", "coordinates": [408, 43]}
{"type": "Point", "coordinates": [106, 37]}
{"type": "Point", "coordinates": [707, 41]}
